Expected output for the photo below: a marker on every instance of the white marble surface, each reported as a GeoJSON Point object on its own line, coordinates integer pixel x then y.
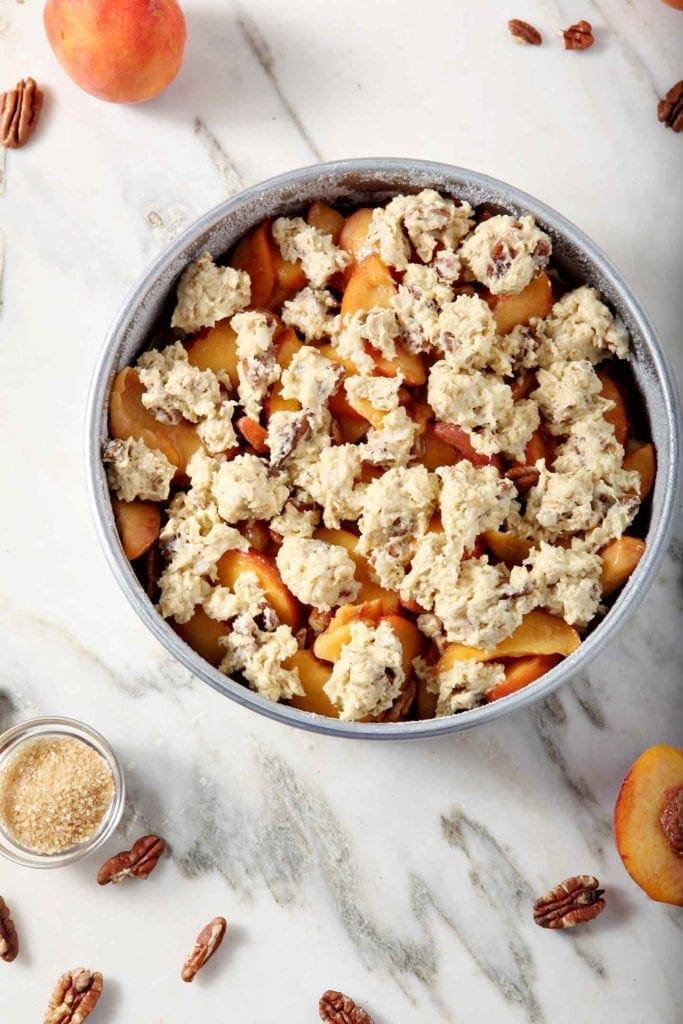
{"type": "Point", "coordinates": [403, 874]}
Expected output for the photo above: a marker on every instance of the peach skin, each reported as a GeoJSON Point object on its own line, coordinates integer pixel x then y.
{"type": "Point", "coordinates": [122, 51]}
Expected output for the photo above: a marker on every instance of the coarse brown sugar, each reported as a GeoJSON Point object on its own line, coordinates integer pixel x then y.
{"type": "Point", "coordinates": [54, 793]}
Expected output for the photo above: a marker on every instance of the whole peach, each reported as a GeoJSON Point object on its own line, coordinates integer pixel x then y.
{"type": "Point", "coordinates": [124, 51]}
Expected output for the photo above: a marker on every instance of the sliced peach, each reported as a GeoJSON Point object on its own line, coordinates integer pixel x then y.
{"type": "Point", "coordinates": [129, 418]}
{"type": "Point", "coordinates": [506, 547]}
{"type": "Point", "coordinates": [539, 633]}
{"type": "Point", "coordinates": [354, 232]}
{"type": "Point", "coordinates": [216, 349]}
{"type": "Point", "coordinates": [511, 310]}
{"type": "Point", "coordinates": [255, 254]}
{"type": "Point", "coordinates": [323, 217]}
{"type": "Point", "coordinates": [274, 402]}
{"type": "Point", "coordinates": [369, 590]}
{"type": "Point", "coordinates": [313, 675]}
{"type": "Point", "coordinates": [619, 559]}
{"type": "Point", "coordinates": [458, 438]}
{"type": "Point", "coordinates": [642, 460]}
{"type": "Point", "coordinates": [648, 823]}
{"type": "Point", "coordinates": [138, 523]}
{"type": "Point", "coordinates": [330, 352]}
{"type": "Point", "coordinates": [616, 416]}
{"type": "Point", "coordinates": [539, 446]}
{"type": "Point", "coordinates": [522, 671]}
{"type": "Point", "coordinates": [411, 639]}
{"type": "Point", "coordinates": [341, 408]}
{"type": "Point", "coordinates": [370, 285]}
{"type": "Point", "coordinates": [253, 433]}
{"type": "Point", "coordinates": [352, 431]}
{"type": "Point", "coordinates": [370, 611]}
{"type": "Point", "coordinates": [409, 364]}
{"type": "Point", "coordinates": [367, 411]}
{"type": "Point", "coordinates": [233, 563]}
{"type": "Point", "coordinates": [288, 275]}
{"type": "Point", "coordinates": [202, 634]}
{"type": "Point", "coordinates": [286, 346]}
{"type": "Point", "coordinates": [437, 453]}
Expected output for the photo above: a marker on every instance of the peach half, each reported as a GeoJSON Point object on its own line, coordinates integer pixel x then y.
{"type": "Point", "coordinates": [648, 823]}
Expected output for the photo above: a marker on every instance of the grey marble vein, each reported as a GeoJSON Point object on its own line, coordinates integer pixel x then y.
{"type": "Point", "coordinates": [228, 173]}
{"type": "Point", "coordinates": [261, 51]}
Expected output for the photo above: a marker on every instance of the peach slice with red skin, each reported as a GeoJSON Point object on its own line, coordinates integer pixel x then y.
{"type": "Point", "coordinates": [458, 438]}
{"type": "Point", "coordinates": [138, 523]}
{"type": "Point", "coordinates": [216, 349]}
{"type": "Point", "coordinates": [619, 559]}
{"type": "Point", "coordinates": [642, 460]}
{"type": "Point", "coordinates": [202, 634]}
{"type": "Point", "coordinates": [522, 671]}
{"type": "Point", "coordinates": [233, 563]}
{"type": "Point", "coordinates": [538, 633]}
{"type": "Point", "coordinates": [329, 644]}
{"type": "Point", "coordinates": [648, 823]}
{"type": "Point", "coordinates": [253, 433]}
{"type": "Point", "coordinates": [534, 301]}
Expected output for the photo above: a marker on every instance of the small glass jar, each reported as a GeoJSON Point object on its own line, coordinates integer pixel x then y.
{"type": "Point", "coordinates": [61, 728]}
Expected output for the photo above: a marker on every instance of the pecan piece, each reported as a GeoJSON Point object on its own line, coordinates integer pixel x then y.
{"type": "Point", "coordinates": [19, 112]}
{"type": "Point", "coordinates": [138, 862]}
{"type": "Point", "coordinates": [206, 944]}
{"type": "Point", "coordinates": [336, 1008]}
{"type": "Point", "coordinates": [670, 108]}
{"type": "Point", "coordinates": [9, 940]}
{"type": "Point", "coordinates": [671, 821]}
{"type": "Point", "coordinates": [284, 443]}
{"type": "Point", "coordinates": [579, 36]}
{"type": "Point", "coordinates": [572, 902]}
{"type": "Point", "coordinates": [523, 32]}
{"type": "Point", "coordinates": [523, 477]}
{"type": "Point", "coordinates": [74, 997]}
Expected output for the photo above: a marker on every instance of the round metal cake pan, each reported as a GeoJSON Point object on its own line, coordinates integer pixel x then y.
{"type": "Point", "coordinates": [362, 181]}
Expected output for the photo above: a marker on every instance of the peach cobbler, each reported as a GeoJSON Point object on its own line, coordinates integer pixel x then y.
{"type": "Point", "coordinates": [382, 464]}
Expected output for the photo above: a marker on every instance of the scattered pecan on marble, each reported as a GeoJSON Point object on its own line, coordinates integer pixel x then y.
{"type": "Point", "coordinates": [19, 112]}
{"type": "Point", "coordinates": [579, 36]}
{"type": "Point", "coordinates": [74, 997]}
{"type": "Point", "coordinates": [9, 940]}
{"type": "Point", "coordinates": [138, 862]}
{"type": "Point", "coordinates": [336, 1008]}
{"type": "Point", "coordinates": [523, 32]}
{"type": "Point", "coordinates": [574, 901]}
{"type": "Point", "coordinates": [206, 944]}
{"type": "Point", "coordinates": [670, 108]}
{"type": "Point", "coordinates": [523, 477]}
{"type": "Point", "coordinates": [671, 821]}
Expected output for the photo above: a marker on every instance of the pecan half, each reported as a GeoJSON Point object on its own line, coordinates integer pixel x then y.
{"type": "Point", "coordinates": [579, 36]}
{"type": "Point", "coordinates": [138, 862]}
{"type": "Point", "coordinates": [523, 477]}
{"type": "Point", "coordinates": [572, 902]}
{"type": "Point", "coordinates": [671, 821]}
{"type": "Point", "coordinates": [523, 32]}
{"type": "Point", "coordinates": [670, 108]}
{"type": "Point", "coordinates": [9, 940]}
{"type": "Point", "coordinates": [74, 997]}
{"type": "Point", "coordinates": [336, 1008]}
{"type": "Point", "coordinates": [401, 707]}
{"type": "Point", "coordinates": [19, 112]}
{"type": "Point", "coordinates": [206, 944]}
